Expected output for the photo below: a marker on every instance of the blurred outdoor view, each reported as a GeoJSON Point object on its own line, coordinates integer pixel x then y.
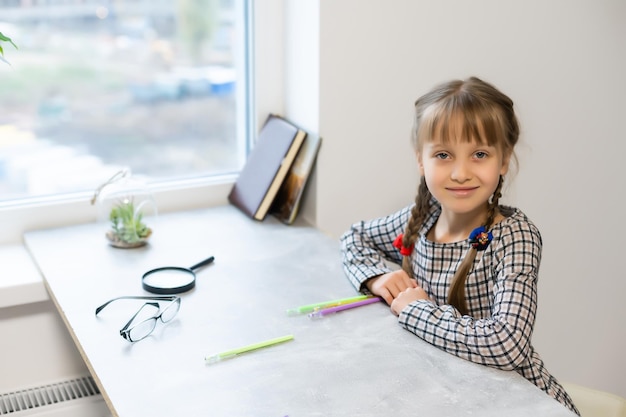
{"type": "Point", "coordinates": [97, 85]}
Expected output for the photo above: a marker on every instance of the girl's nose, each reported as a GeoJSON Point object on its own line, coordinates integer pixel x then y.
{"type": "Point", "coordinates": [460, 172]}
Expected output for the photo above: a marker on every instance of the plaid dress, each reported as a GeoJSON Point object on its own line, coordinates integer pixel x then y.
{"type": "Point", "coordinates": [501, 290]}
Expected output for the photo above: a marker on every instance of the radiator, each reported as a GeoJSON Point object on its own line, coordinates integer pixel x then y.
{"type": "Point", "coordinates": [78, 397]}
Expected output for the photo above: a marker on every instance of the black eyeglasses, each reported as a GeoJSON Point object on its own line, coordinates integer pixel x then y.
{"type": "Point", "coordinates": [135, 331]}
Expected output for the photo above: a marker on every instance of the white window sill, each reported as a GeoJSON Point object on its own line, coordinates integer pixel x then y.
{"type": "Point", "coordinates": [21, 281]}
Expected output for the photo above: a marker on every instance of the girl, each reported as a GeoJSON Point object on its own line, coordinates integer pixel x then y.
{"type": "Point", "coordinates": [474, 297]}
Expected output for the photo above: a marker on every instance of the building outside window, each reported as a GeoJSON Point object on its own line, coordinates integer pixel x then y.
{"type": "Point", "coordinates": [156, 86]}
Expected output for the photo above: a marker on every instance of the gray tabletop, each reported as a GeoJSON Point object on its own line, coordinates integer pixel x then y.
{"type": "Point", "coordinates": [358, 362]}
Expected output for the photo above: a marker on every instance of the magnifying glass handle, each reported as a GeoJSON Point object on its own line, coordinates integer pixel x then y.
{"type": "Point", "coordinates": [207, 261]}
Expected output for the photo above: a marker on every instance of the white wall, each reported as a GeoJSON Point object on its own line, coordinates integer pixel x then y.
{"type": "Point", "coordinates": [36, 348]}
{"type": "Point", "coordinates": [563, 62]}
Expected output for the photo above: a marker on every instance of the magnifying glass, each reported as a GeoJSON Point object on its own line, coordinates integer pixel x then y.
{"type": "Point", "coordinates": [172, 279]}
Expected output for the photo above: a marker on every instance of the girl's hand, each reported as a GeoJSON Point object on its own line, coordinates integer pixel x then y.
{"type": "Point", "coordinates": [389, 285]}
{"type": "Point", "coordinates": [406, 297]}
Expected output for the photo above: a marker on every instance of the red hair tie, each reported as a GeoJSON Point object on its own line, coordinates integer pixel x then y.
{"type": "Point", "coordinates": [404, 251]}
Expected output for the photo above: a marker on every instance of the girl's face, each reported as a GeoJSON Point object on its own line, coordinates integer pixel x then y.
{"type": "Point", "coordinates": [461, 175]}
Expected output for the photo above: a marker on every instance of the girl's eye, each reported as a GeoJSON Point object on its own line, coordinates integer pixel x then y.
{"type": "Point", "coordinates": [480, 154]}
{"type": "Point", "coordinates": [442, 155]}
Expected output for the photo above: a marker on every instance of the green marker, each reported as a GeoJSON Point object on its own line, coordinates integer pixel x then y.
{"type": "Point", "coordinates": [234, 352]}
{"type": "Point", "coordinates": [325, 304]}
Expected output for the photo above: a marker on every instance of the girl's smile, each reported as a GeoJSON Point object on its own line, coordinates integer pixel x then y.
{"type": "Point", "coordinates": [461, 192]}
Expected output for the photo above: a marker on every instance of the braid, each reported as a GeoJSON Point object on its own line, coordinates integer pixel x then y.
{"type": "Point", "coordinates": [493, 206]}
{"type": "Point", "coordinates": [418, 215]}
{"type": "Point", "coordinates": [456, 296]}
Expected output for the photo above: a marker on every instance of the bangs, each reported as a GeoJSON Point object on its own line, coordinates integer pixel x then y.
{"type": "Point", "coordinates": [461, 119]}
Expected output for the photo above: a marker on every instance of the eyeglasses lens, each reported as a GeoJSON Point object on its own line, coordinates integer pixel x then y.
{"type": "Point", "coordinates": [170, 311]}
{"type": "Point", "coordinates": [141, 330]}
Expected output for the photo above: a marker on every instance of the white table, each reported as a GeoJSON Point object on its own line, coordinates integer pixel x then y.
{"type": "Point", "coordinates": [353, 363]}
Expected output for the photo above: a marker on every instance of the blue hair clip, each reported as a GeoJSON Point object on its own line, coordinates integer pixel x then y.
{"type": "Point", "coordinates": [480, 238]}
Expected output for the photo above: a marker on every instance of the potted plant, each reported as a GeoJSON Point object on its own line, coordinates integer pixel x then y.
{"type": "Point", "coordinates": [127, 227]}
{"type": "Point", "coordinates": [124, 202]}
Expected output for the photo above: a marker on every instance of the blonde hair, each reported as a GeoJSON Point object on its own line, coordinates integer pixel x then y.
{"type": "Point", "coordinates": [484, 114]}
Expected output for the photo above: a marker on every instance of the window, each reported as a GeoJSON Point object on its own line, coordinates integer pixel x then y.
{"type": "Point", "coordinates": [158, 86]}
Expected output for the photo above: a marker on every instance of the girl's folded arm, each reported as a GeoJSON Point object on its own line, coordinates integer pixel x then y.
{"type": "Point", "coordinates": [367, 246]}
{"type": "Point", "coordinates": [500, 341]}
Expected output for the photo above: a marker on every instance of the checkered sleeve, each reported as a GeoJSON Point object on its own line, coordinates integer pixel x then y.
{"type": "Point", "coordinates": [367, 245]}
{"type": "Point", "coordinates": [498, 330]}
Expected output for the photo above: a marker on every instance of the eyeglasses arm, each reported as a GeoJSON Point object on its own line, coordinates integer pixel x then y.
{"type": "Point", "coordinates": [138, 297]}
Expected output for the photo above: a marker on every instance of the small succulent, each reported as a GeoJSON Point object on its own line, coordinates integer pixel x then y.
{"type": "Point", "coordinates": [127, 227]}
